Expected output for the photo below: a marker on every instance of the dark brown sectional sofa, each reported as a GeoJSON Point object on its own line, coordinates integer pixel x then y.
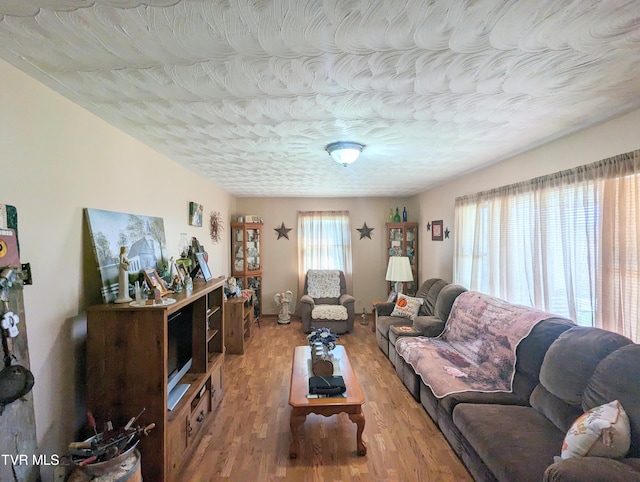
{"type": "Point", "coordinates": [561, 371]}
{"type": "Point", "coordinates": [430, 320]}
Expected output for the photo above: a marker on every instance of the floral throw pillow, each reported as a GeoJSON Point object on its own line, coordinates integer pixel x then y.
{"type": "Point", "coordinates": [603, 431]}
{"type": "Point", "coordinates": [407, 307]}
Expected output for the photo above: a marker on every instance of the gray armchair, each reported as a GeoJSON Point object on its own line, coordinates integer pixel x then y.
{"type": "Point", "coordinates": [325, 302]}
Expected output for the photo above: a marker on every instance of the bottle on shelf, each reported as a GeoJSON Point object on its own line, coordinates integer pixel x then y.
{"type": "Point", "coordinates": [390, 215]}
{"type": "Point", "coordinates": [404, 215]}
{"type": "Point", "coordinates": [396, 218]}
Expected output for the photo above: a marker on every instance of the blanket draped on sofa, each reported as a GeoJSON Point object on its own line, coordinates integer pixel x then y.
{"type": "Point", "coordinates": [477, 349]}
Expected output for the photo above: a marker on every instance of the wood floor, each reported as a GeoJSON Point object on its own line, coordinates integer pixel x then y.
{"type": "Point", "coordinates": [249, 438]}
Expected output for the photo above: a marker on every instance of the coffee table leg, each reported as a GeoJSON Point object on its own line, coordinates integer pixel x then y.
{"type": "Point", "coordinates": [358, 419]}
{"type": "Point", "coordinates": [295, 421]}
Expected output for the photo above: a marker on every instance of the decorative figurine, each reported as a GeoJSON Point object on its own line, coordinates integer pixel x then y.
{"type": "Point", "coordinates": [232, 289]}
{"type": "Point", "coordinates": [123, 277]}
{"type": "Point", "coordinates": [176, 285]}
{"type": "Point", "coordinates": [283, 300]}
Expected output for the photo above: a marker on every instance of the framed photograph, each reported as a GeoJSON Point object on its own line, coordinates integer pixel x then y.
{"type": "Point", "coordinates": [195, 214]}
{"type": "Point", "coordinates": [204, 267]}
{"type": "Point", "coordinates": [155, 281]}
{"type": "Point", "coordinates": [182, 271]}
{"type": "Point", "coordinates": [436, 231]}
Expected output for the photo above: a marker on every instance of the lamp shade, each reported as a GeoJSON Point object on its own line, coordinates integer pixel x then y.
{"type": "Point", "coordinates": [399, 269]}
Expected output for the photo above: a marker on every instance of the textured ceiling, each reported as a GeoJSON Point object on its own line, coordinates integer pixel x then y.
{"type": "Point", "coordinates": [249, 92]}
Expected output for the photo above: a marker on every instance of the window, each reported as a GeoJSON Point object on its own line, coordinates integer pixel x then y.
{"type": "Point", "coordinates": [565, 243]}
{"type": "Point", "coordinates": [324, 241]}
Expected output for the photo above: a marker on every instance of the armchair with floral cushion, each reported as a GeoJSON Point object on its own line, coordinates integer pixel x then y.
{"type": "Point", "coordinates": [325, 302]}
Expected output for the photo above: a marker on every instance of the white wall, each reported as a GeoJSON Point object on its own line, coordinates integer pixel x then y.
{"type": "Point", "coordinates": [617, 136]}
{"type": "Point", "coordinates": [55, 160]}
{"type": "Point", "coordinates": [280, 265]}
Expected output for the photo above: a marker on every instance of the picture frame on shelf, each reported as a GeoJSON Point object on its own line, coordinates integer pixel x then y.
{"type": "Point", "coordinates": [204, 267]}
{"type": "Point", "coordinates": [182, 271]}
{"type": "Point", "coordinates": [155, 281]}
{"type": "Point", "coordinates": [436, 231]}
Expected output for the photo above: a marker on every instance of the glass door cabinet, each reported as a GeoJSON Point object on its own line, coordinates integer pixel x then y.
{"type": "Point", "coordinates": [246, 260]}
{"type": "Point", "coordinates": [402, 240]}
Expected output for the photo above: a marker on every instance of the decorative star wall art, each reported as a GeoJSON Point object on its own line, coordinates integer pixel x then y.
{"type": "Point", "coordinates": [283, 232]}
{"type": "Point", "coordinates": [365, 231]}
{"type": "Point", "coordinates": [446, 233]}
{"type": "Point", "coordinates": [428, 226]}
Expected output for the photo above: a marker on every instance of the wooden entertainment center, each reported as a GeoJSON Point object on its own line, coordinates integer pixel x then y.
{"type": "Point", "coordinates": [127, 350]}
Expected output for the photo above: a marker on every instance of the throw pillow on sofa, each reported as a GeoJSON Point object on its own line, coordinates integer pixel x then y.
{"type": "Point", "coordinates": [407, 307]}
{"type": "Point", "coordinates": [603, 431]}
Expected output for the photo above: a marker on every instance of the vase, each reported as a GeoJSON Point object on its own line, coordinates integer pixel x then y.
{"type": "Point", "coordinates": [396, 218]}
{"type": "Point", "coordinates": [321, 363]}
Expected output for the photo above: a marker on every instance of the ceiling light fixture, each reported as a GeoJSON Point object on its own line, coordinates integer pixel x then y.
{"type": "Point", "coordinates": [344, 152]}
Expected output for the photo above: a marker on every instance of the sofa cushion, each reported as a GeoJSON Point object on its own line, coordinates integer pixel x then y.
{"type": "Point", "coordinates": [600, 432]}
{"type": "Point", "coordinates": [572, 359]}
{"type": "Point", "coordinates": [450, 402]}
{"type": "Point", "coordinates": [430, 293]}
{"type": "Point", "coordinates": [617, 377]}
{"type": "Point", "coordinates": [428, 325]}
{"type": "Point", "coordinates": [593, 469]}
{"type": "Point", "coordinates": [329, 312]}
{"type": "Point", "coordinates": [423, 292]}
{"type": "Point", "coordinates": [444, 302]}
{"type": "Point", "coordinates": [407, 306]}
{"type": "Point", "coordinates": [532, 349]}
{"type": "Point", "coordinates": [530, 354]}
{"type": "Point", "coordinates": [425, 287]}
{"type": "Point", "coordinates": [516, 443]}
{"type": "Point", "coordinates": [383, 323]}
{"type": "Point", "coordinates": [385, 309]}
{"type": "Point", "coordinates": [559, 412]}
{"type": "Point", "coordinates": [397, 331]}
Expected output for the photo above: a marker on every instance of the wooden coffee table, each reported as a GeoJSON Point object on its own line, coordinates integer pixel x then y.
{"type": "Point", "coordinates": [326, 406]}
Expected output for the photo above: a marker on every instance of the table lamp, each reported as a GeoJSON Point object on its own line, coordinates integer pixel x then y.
{"type": "Point", "coordinates": [399, 270]}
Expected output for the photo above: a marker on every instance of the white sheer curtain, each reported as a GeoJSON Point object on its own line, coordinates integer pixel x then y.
{"type": "Point", "coordinates": [567, 243]}
{"type": "Point", "coordinates": [324, 242]}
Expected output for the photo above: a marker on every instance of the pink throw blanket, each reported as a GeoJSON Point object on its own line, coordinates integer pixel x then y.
{"type": "Point", "coordinates": [477, 349]}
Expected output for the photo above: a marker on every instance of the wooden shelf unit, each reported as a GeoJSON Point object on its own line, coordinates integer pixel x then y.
{"type": "Point", "coordinates": [127, 371]}
{"type": "Point", "coordinates": [238, 321]}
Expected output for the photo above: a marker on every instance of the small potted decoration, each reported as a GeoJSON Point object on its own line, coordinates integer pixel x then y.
{"type": "Point", "coordinates": [322, 341]}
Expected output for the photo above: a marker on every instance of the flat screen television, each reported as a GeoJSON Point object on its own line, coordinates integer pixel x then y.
{"type": "Point", "coordinates": [179, 354]}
